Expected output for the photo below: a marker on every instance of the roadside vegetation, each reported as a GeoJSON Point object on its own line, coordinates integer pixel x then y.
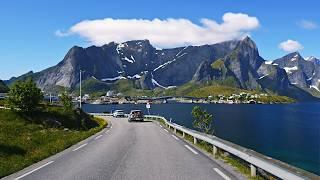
{"type": "Point", "coordinates": [33, 131]}
{"type": "Point", "coordinates": [202, 120]}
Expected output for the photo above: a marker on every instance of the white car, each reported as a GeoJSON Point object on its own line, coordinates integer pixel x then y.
{"type": "Point", "coordinates": [118, 113]}
{"type": "Point", "coordinates": [136, 115]}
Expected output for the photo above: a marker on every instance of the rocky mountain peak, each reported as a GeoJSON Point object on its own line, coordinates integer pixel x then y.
{"type": "Point", "coordinates": [310, 58]}
{"type": "Point", "coordinates": [313, 59]}
{"type": "Point", "coordinates": [247, 41]}
{"type": "Point", "coordinates": [247, 47]}
{"type": "Point", "coordinates": [294, 56]}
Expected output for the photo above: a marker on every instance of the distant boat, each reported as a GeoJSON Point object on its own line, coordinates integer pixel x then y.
{"type": "Point", "coordinates": [165, 101]}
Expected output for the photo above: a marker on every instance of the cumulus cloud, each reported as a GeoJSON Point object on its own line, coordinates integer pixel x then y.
{"type": "Point", "coordinates": [164, 33]}
{"type": "Point", "coordinates": [290, 46]}
{"type": "Point", "coordinates": [305, 24]}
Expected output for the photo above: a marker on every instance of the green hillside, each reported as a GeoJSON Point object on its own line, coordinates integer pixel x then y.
{"type": "Point", "coordinates": [3, 87]}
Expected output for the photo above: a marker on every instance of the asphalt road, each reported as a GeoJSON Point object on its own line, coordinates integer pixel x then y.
{"type": "Point", "coordinates": [128, 151]}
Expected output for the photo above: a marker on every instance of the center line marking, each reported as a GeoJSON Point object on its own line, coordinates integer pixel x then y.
{"type": "Point", "coordinates": [165, 130]}
{"type": "Point", "coordinates": [83, 145]}
{"type": "Point", "coordinates": [175, 137]}
{"type": "Point", "coordinates": [192, 150]}
{"type": "Point", "coordinates": [26, 174]}
{"type": "Point", "coordinates": [98, 137]}
{"type": "Point", "coordinates": [221, 174]}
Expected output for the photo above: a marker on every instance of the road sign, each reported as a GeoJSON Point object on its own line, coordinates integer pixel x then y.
{"type": "Point", "coordinates": [148, 106]}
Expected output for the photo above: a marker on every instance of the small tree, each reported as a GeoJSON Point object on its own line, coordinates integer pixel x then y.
{"type": "Point", "coordinates": [25, 96]}
{"type": "Point", "coordinates": [202, 120]}
{"type": "Point", "coordinates": [66, 101]}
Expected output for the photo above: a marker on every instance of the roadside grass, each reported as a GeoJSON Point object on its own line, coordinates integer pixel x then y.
{"type": "Point", "coordinates": [25, 141]}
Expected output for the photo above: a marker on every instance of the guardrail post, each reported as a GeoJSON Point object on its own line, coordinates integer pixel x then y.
{"type": "Point", "coordinates": [183, 134]}
{"type": "Point", "coordinates": [214, 150]}
{"type": "Point", "coordinates": [175, 130]}
{"type": "Point", "coordinates": [194, 140]}
{"type": "Point", "coordinates": [253, 170]}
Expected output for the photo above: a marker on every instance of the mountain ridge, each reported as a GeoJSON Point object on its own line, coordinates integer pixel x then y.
{"type": "Point", "coordinates": [237, 61]}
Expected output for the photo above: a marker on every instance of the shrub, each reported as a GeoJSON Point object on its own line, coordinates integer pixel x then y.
{"type": "Point", "coordinates": [202, 120]}
{"type": "Point", "coordinates": [25, 96]}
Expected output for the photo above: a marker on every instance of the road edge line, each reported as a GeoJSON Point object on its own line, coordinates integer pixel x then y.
{"type": "Point", "coordinates": [36, 169]}
{"type": "Point", "coordinates": [221, 174]}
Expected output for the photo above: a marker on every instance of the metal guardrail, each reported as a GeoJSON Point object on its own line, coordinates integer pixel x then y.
{"type": "Point", "coordinates": [100, 114]}
{"type": "Point", "coordinates": [256, 160]}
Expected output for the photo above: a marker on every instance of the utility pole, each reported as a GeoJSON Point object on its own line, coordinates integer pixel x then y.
{"type": "Point", "coordinates": [80, 101]}
{"type": "Point", "coordinates": [50, 98]}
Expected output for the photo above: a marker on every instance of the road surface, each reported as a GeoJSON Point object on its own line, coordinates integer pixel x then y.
{"type": "Point", "coordinates": [128, 151]}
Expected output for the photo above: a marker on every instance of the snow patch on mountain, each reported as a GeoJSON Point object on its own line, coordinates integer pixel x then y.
{"type": "Point", "coordinates": [295, 57]}
{"type": "Point", "coordinates": [310, 58]}
{"type": "Point", "coordinates": [169, 62]}
{"type": "Point", "coordinates": [270, 63]}
{"type": "Point", "coordinates": [137, 76]}
{"type": "Point", "coordinates": [313, 74]}
{"type": "Point", "coordinates": [290, 69]}
{"type": "Point", "coordinates": [263, 76]}
{"type": "Point", "coordinates": [120, 47]}
{"type": "Point", "coordinates": [113, 78]}
{"type": "Point", "coordinates": [127, 59]}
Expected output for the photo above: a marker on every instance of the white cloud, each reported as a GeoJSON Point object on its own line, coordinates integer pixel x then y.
{"type": "Point", "coordinates": [290, 46]}
{"type": "Point", "coordinates": [164, 33]}
{"type": "Point", "coordinates": [60, 33]}
{"type": "Point", "coordinates": [305, 24]}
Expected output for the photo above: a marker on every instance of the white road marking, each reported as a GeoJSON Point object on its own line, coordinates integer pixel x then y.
{"type": "Point", "coordinates": [98, 137]}
{"type": "Point", "coordinates": [110, 127]}
{"type": "Point", "coordinates": [26, 174]}
{"type": "Point", "coordinates": [221, 174]}
{"type": "Point", "coordinates": [165, 130]}
{"type": "Point", "coordinates": [107, 132]}
{"type": "Point", "coordinates": [192, 150]}
{"type": "Point", "coordinates": [175, 137]}
{"type": "Point", "coordinates": [83, 145]}
{"type": "Point", "coordinates": [160, 126]}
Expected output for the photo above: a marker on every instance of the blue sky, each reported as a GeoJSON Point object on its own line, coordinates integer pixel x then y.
{"type": "Point", "coordinates": [28, 39]}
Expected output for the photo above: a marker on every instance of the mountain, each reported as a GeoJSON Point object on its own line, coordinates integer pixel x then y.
{"type": "Point", "coordinates": [303, 73]}
{"type": "Point", "coordinates": [135, 60]}
{"type": "Point", "coordinates": [3, 87]}
{"type": "Point", "coordinates": [234, 63]}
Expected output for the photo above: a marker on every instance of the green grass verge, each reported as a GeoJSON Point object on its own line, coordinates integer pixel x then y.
{"type": "Point", "coordinates": [25, 141]}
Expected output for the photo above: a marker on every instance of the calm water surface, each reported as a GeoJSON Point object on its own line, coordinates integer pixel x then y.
{"type": "Point", "coordinates": [290, 133]}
